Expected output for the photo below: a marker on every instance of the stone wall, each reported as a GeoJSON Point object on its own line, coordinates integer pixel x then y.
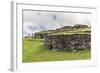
{"type": "Point", "coordinates": [73, 42]}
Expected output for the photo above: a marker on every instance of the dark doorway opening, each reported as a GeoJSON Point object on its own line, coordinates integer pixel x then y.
{"type": "Point", "coordinates": [50, 46]}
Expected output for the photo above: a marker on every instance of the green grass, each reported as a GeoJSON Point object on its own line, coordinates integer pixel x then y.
{"type": "Point", "coordinates": [35, 51]}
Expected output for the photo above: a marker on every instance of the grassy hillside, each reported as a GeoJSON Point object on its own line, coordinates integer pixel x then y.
{"type": "Point", "coordinates": [67, 31]}
{"type": "Point", "coordinates": [35, 51]}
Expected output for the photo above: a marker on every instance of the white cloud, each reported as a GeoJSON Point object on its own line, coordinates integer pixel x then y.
{"type": "Point", "coordinates": [35, 21]}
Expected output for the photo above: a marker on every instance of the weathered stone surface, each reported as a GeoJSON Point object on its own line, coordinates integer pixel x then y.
{"type": "Point", "coordinates": [68, 42]}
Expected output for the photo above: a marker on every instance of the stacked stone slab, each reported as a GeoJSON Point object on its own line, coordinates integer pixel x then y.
{"type": "Point", "coordinates": [73, 42]}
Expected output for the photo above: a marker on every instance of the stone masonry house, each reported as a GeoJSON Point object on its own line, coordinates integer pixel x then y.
{"type": "Point", "coordinates": [73, 42]}
{"type": "Point", "coordinates": [68, 38]}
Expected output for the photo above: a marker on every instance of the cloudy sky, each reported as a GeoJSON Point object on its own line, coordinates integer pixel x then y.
{"type": "Point", "coordinates": [35, 21]}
